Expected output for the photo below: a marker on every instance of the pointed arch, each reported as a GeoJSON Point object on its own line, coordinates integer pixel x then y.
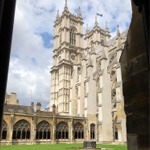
{"type": "Point", "coordinates": [4, 130]}
{"type": "Point", "coordinates": [78, 131]}
{"type": "Point", "coordinates": [73, 36]}
{"type": "Point", "coordinates": [62, 130]}
{"type": "Point", "coordinates": [21, 130]}
{"type": "Point", "coordinates": [43, 130]}
{"type": "Point", "coordinates": [92, 131]}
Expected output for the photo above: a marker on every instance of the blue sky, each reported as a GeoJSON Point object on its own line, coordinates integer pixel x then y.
{"type": "Point", "coordinates": [32, 44]}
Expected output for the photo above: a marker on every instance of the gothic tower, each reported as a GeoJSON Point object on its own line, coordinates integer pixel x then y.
{"type": "Point", "coordinates": [67, 51]}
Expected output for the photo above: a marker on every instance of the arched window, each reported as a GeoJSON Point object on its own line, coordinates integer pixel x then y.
{"type": "Point", "coordinates": [21, 130]}
{"type": "Point", "coordinates": [92, 131]}
{"type": "Point", "coordinates": [72, 37]}
{"type": "Point", "coordinates": [78, 131]}
{"type": "Point", "coordinates": [62, 130]}
{"type": "Point", "coordinates": [4, 130]}
{"type": "Point", "coordinates": [43, 130]}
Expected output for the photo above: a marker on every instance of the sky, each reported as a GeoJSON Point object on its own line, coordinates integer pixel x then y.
{"type": "Point", "coordinates": [32, 42]}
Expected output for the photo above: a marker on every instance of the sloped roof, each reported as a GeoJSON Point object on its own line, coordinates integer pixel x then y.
{"type": "Point", "coordinates": [112, 41]}
{"type": "Point", "coordinates": [44, 113]}
{"type": "Point", "coordinates": [18, 108]}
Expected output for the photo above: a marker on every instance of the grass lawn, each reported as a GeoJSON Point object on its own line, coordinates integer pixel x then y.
{"type": "Point", "coordinates": [59, 147]}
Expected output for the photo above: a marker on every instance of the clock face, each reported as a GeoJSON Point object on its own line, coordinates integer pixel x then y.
{"type": "Point", "coordinates": [73, 57]}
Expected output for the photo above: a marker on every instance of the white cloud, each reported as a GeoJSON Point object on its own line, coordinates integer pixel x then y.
{"type": "Point", "coordinates": [31, 58]}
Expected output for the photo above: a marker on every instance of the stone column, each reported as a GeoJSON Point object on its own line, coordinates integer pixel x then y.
{"type": "Point", "coordinates": [53, 131]}
{"type": "Point", "coordinates": [10, 128]}
{"type": "Point", "coordinates": [33, 129]}
{"type": "Point", "coordinates": [70, 130]}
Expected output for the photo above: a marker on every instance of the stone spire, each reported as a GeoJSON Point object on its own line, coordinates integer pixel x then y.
{"type": "Point", "coordinates": [119, 45]}
{"type": "Point", "coordinates": [96, 23]}
{"type": "Point", "coordinates": [66, 7]}
{"type": "Point", "coordinates": [57, 16]}
{"type": "Point", "coordinates": [118, 32]}
{"type": "Point", "coordinates": [87, 30]}
{"type": "Point", "coordinates": [106, 27]}
{"type": "Point", "coordinates": [79, 13]}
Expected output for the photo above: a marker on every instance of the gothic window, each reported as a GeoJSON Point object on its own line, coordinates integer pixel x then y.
{"type": "Point", "coordinates": [102, 42]}
{"type": "Point", "coordinates": [4, 130]}
{"type": "Point", "coordinates": [72, 37]}
{"type": "Point", "coordinates": [43, 130]}
{"type": "Point", "coordinates": [78, 131]}
{"type": "Point", "coordinates": [62, 130]}
{"type": "Point", "coordinates": [60, 37]}
{"type": "Point", "coordinates": [92, 131]}
{"type": "Point", "coordinates": [21, 130]}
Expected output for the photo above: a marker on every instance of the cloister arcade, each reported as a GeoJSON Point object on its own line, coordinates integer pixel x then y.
{"type": "Point", "coordinates": [43, 131]}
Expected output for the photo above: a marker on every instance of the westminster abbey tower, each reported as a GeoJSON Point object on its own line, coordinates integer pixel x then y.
{"type": "Point", "coordinates": [86, 76]}
{"type": "Point", "coordinates": [86, 90]}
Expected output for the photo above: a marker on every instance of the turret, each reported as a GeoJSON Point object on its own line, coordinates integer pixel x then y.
{"type": "Point", "coordinates": [96, 23]}
{"type": "Point", "coordinates": [118, 37]}
{"type": "Point", "coordinates": [79, 13]}
{"type": "Point", "coordinates": [57, 16]}
{"type": "Point", "coordinates": [38, 107]}
{"type": "Point", "coordinates": [66, 10]}
{"type": "Point", "coordinates": [32, 105]}
{"type": "Point", "coordinates": [107, 32]}
{"type": "Point", "coordinates": [87, 30]}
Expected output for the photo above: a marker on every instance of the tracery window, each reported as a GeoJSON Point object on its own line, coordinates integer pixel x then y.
{"type": "Point", "coordinates": [92, 131]}
{"type": "Point", "coordinates": [43, 130]}
{"type": "Point", "coordinates": [4, 130]}
{"type": "Point", "coordinates": [72, 37]}
{"type": "Point", "coordinates": [21, 130]}
{"type": "Point", "coordinates": [78, 131]}
{"type": "Point", "coordinates": [62, 130]}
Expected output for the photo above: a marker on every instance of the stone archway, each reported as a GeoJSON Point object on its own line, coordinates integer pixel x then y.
{"type": "Point", "coordinates": [4, 130]}
{"type": "Point", "coordinates": [43, 130]}
{"type": "Point", "coordinates": [62, 130]}
{"type": "Point", "coordinates": [21, 130]}
{"type": "Point", "coordinates": [78, 131]}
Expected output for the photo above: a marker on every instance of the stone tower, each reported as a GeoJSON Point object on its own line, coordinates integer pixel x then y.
{"type": "Point", "coordinates": [86, 78]}
{"type": "Point", "coordinates": [67, 51]}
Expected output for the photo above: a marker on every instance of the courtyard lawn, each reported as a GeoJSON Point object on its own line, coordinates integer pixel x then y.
{"type": "Point", "coordinates": [59, 147]}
